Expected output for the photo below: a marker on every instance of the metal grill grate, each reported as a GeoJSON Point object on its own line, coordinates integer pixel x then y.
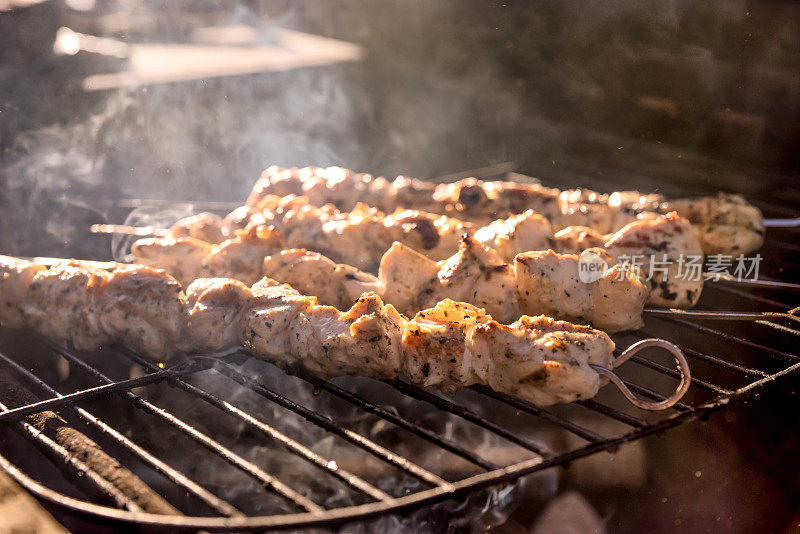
{"type": "Point", "coordinates": [706, 394]}
{"type": "Point", "coordinates": [730, 360]}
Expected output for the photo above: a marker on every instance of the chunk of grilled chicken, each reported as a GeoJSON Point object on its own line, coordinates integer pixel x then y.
{"type": "Point", "coordinates": [536, 283]}
{"type": "Point", "coordinates": [15, 278]}
{"type": "Point", "coordinates": [187, 258]}
{"type": "Point", "coordinates": [204, 226]}
{"type": "Point", "coordinates": [665, 246]}
{"type": "Point", "coordinates": [481, 202]}
{"type": "Point", "coordinates": [543, 282]}
{"type": "Point", "coordinates": [538, 359]}
{"type": "Point", "coordinates": [451, 346]}
{"type": "Point", "coordinates": [448, 347]}
{"type": "Point", "coordinates": [519, 233]}
{"type": "Point", "coordinates": [93, 307]}
{"type": "Point", "coordinates": [240, 257]}
{"type": "Point", "coordinates": [601, 212]}
{"type": "Point", "coordinates": [358, 237]}
{"type": "Point", "coordinates": [214, 311]}
{"type": "Point", "coordinates": [334, 284]}
{"type": "Point", "coordinates": [576, 239]}
{"type": "Point", "coordinates": [727, 223]}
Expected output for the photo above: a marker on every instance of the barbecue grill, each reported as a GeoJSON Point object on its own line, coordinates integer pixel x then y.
{"type": "Point", "coordinates": [733, 355]}
{"type": "Point", "coordinates": [684, 100]}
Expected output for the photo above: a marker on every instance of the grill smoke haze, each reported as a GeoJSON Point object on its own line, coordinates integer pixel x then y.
{"type": "Point", "coordinates": [557, 87]}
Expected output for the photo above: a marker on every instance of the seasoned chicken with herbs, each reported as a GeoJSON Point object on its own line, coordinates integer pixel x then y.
{"type": "Point", "coordinates": [447, 347]}
{"type": "Point", "coordinates": [659, 248]}
{"type": "Point", "coordinates": [727, 223]}
{"type": "Point", "coordinates": [535, 283]}
{"type": "Point", "coordinates": [92, 307]}
{"type": "Point", "coordinates": [358, 237]}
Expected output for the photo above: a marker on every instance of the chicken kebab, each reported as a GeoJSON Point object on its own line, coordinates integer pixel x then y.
{"type": "Point", "coordinates": [726, 224]}
{"type": "Point", "coordinates": [537, 282]}
{"type": "Point", "coordinates": [449, 346]}
{"type": "Point", "coordinates": [550, 279]}
{"type": "Point", "coordinates": [359, 238]}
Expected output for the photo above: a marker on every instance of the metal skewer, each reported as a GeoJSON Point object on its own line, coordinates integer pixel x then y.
{"type": "Point", "coordinates": [766, 284]}
{"type": "Point", "coordinates": [683, 368]}
{"type": "Point", "coordinates": [141, 231]}
{"type": "Point", "coordinates": [724, 315]}
{"type": "Point", "coordinates": [756, 317]}
{"type": "Point", "coordinates": [782, 223]}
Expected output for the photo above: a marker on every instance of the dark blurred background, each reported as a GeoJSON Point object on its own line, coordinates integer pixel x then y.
{"type": "Point", "coordinates": [616, 94]}
{"type": "Point", "coordinates": [681, 97]}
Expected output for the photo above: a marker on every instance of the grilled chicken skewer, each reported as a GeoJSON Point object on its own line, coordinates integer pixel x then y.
{"type": "Point", "coordinates": [92, 306]}
{"type": "Point", "coordinates": [727, 224]}
{"type": "Point", "coordinates": [447, 347]}
{"type": "Point", "coordinates": [358, 237]}
{"type": "Point", "coordinates": [536, 283]}
{"type": "Point", "coordinates": [542, 282]}
{"type": "Point", "coordinates": [667, 239]}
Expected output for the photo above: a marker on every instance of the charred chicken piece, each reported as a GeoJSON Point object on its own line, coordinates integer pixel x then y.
{"type": "Point", "coordinates": [665, 247]}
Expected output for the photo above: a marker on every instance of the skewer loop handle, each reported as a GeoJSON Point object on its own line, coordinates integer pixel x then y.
{"type": "Point", "coordinates": [683, 367]}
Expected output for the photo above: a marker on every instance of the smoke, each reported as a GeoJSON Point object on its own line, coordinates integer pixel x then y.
{"type": "Point", "coordinates": [210, 138]}
{"type": "Point", "coordinates": [581, 95]}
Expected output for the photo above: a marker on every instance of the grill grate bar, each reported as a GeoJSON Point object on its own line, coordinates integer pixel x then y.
{"type": "Point", "coordinates": [172, 474]}
{"type": "Point", "coordinates": [471, 416]}
{"type": "Point", "coordinates": [402, 422]}
{"type": "Point", "coordinates": [63, 400]}
{"type": "Point", "coordinates": [735, 339]}
{"type": "Point", "coordinates": [677, 374]}
{"type": "Point", "coordinates": [293, 446]}
{"type": "Point", "coordinates": [332, 426]}
{"type": "Point", "coordinates": [630, 420]}
{"type": "Point", "coordinates": [578, 430]}
{"type": "Point", "coordinates": [741, 369]}
{"type": "Point", "coordinates": [780, 327]}
{"type": "Point", "coordinates": [744, 294]}
{"type": "Point", "coordinates": [268, 480]}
